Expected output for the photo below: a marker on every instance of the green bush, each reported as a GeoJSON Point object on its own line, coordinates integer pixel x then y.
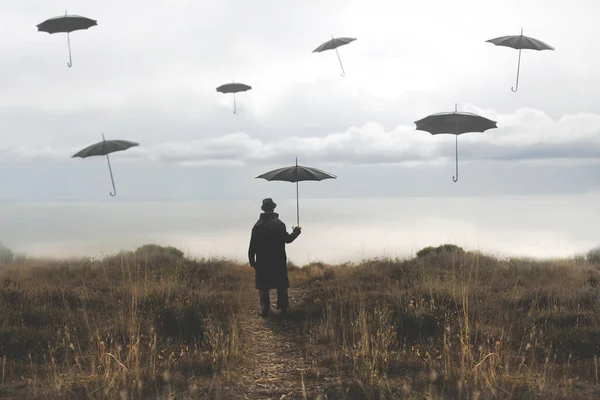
{"type": "Point", "coordinates": [157, 250]}
{"type": "Point", "coordinates": [593, 256]}
{"type": "Point", "coordinates": [6, 254]}
{"type": "Point", "coordinates": [445, 248]}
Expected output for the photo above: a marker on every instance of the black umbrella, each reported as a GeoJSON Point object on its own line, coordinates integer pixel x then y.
{"type": "Point", "coordinates": [295, 174]}
{"type": "Point", "coordinates": [455, 123]}
{"type": "Point", "coordinates": [520, 42]}
{"type": "Point", "coordinates": [334, 43]}
{"type": "Point", "coordinates": [104, 148]}
{"type": "Point", "coordinates": [233, 88]}
{"type": "Point", "coordinates": [66, 24]}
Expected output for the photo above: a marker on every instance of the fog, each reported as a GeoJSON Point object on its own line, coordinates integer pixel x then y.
{"type": "Point", "coordinates": [333, 230]}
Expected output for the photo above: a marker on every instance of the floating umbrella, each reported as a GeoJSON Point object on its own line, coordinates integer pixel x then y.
{"type": "Point", "coordinates": [66, 24]}
{"type": "Point", "coordinates": [520, 42]}
{"type": "Point", "coordinates": [104, 148]}
{"type": "Point", "coordinates": [455, 123]}
{"type": "Point", "coordinates": [334, 43]}
{"type": "Point", "coordinates": [295, 174]}
{"type": "Point", "coordinates": [233, 88]}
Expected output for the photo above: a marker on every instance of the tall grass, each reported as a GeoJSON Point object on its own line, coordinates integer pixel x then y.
{"type": "Point", "coordinates": [446, 324]}
{"type": "Point", "coordinates": [459, 325]}
{"type": "Point", "coordinates": [132, 325]}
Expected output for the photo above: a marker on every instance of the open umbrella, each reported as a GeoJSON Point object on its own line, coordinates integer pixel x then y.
{"type": "Point", "coordinates": [454, 123]}
{"type": "Point", "coordinates": [233, 88]}
{"type": "Point", "coordinates": [520, 42]}
{"type": "Point", "coordinates": [334, 43]}
{"type": "Point", "coordinates": [104, 148]}
{"type": "Point", "coordinates": [295, 174]}
{"type": "Point", "coordinates": [66, 24]}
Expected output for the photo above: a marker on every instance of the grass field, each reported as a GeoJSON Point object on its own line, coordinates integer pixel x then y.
{"type": "Point", "coordinates": [152, 323]}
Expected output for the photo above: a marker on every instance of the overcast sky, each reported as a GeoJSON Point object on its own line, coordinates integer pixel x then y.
{"type": "Point", "coordinates": [149, 71]}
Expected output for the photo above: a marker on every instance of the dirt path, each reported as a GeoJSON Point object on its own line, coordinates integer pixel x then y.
{"type": "Point", "coordinates": [275, 362]}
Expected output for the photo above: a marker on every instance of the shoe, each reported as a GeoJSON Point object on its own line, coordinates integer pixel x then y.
{"type": "Point", "coordinates": [264, 313]}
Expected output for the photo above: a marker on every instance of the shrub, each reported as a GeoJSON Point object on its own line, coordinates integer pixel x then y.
{"type": "Point", "coordinates": [160, 255]}
{"type": "Point", "coordinates": [6, 254]}
{"type": "Point", "coordinates": [593, 256]}
{"type": "Point", "coordinates": [445, 248]}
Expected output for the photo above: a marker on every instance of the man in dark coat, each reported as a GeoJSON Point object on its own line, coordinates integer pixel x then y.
{"type": "Point", "coordinates": [267, 256]}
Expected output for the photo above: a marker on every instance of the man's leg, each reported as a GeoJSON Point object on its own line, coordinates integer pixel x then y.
{"type": "Point", "coordinates": [265, 302]}
{"type": "Point", "coordinates": [282, 299]}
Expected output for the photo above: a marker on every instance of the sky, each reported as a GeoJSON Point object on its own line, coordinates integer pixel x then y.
{"type": "Point", "coordinates": [148, 72]}
{"type": "Point", "coordinates": [333, 230]}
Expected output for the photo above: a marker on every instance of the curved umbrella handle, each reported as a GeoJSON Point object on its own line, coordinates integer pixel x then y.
{"type": "Point", "coordinates": [515, 88]}
{"type": "Point", "coordinates": [70, 63]}
{"type": "Point", "coordinates": [234, 105]}
{"type": "Point", "coordinates": [455, 179]}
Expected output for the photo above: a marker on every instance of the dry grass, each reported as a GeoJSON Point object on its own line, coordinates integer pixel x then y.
{"type": "Point", "coordinates": [152, 324]}
{"type": "Point", "coordinates": [133, 325]}
{"type": "Point", "coordinates": [459, 325]}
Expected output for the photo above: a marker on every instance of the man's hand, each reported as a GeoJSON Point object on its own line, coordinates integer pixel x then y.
{"type": "Point", "coordinates": [297, 230]}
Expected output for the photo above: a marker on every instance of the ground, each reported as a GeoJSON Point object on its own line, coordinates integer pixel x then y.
{"type": "Point", "coordinates": [276, 363]}
{"type": "Point", "coordinates": [443, 325]}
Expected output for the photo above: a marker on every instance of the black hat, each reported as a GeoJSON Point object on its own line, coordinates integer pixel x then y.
{"type": "Point", "coordinates": [268, 204]}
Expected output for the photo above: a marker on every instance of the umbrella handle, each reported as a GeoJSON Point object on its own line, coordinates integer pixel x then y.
{"type": "Point", "coordinates": [111, 178]}
{"type": "Point", "coordinates": [297, 206]}
{"type": "Point", "coordinates": [514, 89]}
{"type": "Point", "coordinates": [70, 63]}
{"type": "Point", "coordinates": [341, 65]}
{"type": "Point", "coordinates": [455, 179]}
{"type": "Point", "coordinates": [234, 105]}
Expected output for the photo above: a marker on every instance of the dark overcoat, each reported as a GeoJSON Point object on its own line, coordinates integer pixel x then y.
{"type": "Point", "coordinates": [266, 252]}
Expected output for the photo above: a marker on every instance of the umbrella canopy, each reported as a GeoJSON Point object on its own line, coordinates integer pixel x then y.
{"type": "Point", "coordinates": [233, 88]}
{"type": "Point", "coordinates": [104, 148]}
{"type": "Point", "coordinates": [66, 24]}
{"type": "Point", "coordinates": [333, 44]}
{"type": "Point", "coordinates": [295, 174]}
{"type": "Point", "coordinates": [520, 42]}
{"type": "Point", "coordinates": [455, 123]}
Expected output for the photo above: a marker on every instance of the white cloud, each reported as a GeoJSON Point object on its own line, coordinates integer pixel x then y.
{"type": "Point", "coordinates": [149, 70]}
{"type": "Point", "coordinates": [526, 134]}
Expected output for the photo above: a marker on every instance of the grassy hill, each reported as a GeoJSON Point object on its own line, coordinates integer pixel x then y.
{"type": "Point", "coordinates": [152, 323]}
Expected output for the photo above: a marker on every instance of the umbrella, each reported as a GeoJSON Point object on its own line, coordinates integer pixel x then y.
{"type": "Point", "coordinates": [68, 24]}
{"type": "Point", "coordinates": [103, 148]}
{"type": "Point", "coordinates": [295, 174]}
{"type": "Point", "coordinates": [334, 43]}
{"type": "Point", "coordinates": [233, 88]}
{"type": "Point", "coordinates": [520, 42]}
{"type": "Point", "coordinates": [454, 123]}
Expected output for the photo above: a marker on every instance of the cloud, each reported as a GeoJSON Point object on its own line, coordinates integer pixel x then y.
{"type": "Point", "coordinates": [148, 73]}
{"type": "Point", "coordinates": [526, 134]}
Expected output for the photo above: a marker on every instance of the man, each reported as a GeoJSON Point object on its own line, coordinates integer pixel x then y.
{"type": "Point", "coordinates": [267, 256]}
